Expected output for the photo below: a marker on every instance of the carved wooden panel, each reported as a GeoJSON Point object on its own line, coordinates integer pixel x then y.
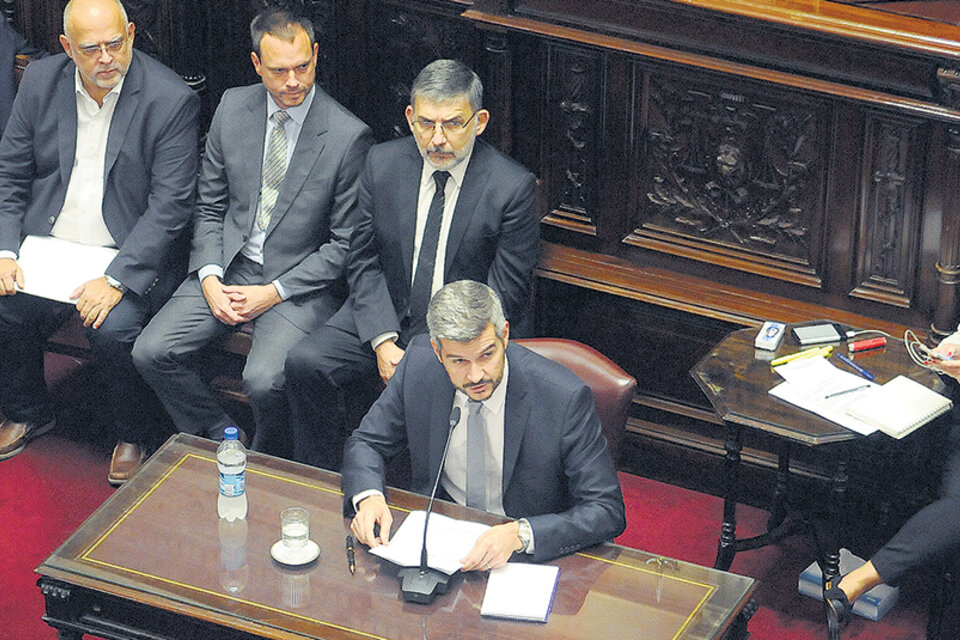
{"type": "Point", "coordinates": [573, 122]}
{"type": "Point", "coordinates": [890, 211]}
{"type": "Point", "coordinates": [732, 174]}
{"type": "Point", "coordinates": [402, 39]}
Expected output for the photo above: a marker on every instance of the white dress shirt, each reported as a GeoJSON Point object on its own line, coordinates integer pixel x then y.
{"type": "Point", "coordinates": [253, 248]}
{"type": "Point", "coordinates": [451, 192]}
{"type": "Point", "coordinates": [81, 217]}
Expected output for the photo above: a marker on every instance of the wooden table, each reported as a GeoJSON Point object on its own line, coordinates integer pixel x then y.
{"type": "Point", "coordinates": [155, 562]}
{"type": "Point", "coordinates": [736, 378]}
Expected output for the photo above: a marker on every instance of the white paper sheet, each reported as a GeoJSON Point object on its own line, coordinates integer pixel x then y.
{"type": "Point", "coordinates": [53, 268]}
{"type": "Point", "coordinates": [448, 540]}
{"type": "Point", "coordinates": [810, 381]}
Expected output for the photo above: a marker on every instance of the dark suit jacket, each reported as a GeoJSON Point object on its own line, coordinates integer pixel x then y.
{"type": "Point", "coordinates": [11, 44]}
{"type": "Point", "coordinates": [309, 233]}
{"type": "Point", "coordinates": [494, 236]}
{"type": "Point", "coordinates": [149, 171]}
{"type": "Point", "coordinates": [557, 470]}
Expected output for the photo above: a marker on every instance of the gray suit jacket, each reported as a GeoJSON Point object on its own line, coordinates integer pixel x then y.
{"type": "Point", "coordinates": [149, 173]}
{"type": "Point", "coordinates": [557, 470]}
{"type": "Point", "coordinates": [309, 233]}
{"type": "Point", "coordinates": [11, 45]}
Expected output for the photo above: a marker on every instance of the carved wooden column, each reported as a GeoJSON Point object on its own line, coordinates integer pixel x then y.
{"type": "Point", "coordinates": [945, 315]}
{"type": "Point", "coordinates": [496, 72]}
{"type": "Point", "coordinates": [9, 9]}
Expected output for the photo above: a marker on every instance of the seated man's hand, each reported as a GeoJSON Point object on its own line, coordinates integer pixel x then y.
{"type": "Point", "coordinates": [388, 357]}
{"type": "Point", "coordinates": [250, 301]}
{"type": "Point", "coordinates": [11, 276]}
{"type": "Point", "coordinates": [219, 302]}
{"type": "Point", "coordinates": [95, 299]}
{"type": "Point", "coordinates": [493, 549]}
{"type": "Point", "coordinates": [372, 510]}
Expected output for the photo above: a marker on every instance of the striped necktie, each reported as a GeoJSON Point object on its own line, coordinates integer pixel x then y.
{"type": "Point", "coordinates": [274, 168]}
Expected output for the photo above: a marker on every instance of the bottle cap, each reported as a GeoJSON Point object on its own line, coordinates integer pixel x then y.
{"type": "Point", "coordinates": [230, 433]}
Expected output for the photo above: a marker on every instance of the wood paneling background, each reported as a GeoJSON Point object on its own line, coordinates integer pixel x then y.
{"type": "Point", "coordinates": [704, 165]}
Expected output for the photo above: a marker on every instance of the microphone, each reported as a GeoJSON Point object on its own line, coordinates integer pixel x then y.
{"type": "Point", "coordinates": [421, 584]}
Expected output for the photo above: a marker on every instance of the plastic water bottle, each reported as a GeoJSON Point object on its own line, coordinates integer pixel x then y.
{"type": "Point", "coordinates": [232, 465]}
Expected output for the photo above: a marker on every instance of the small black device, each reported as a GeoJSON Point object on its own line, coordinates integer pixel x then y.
{"type": "Point", "coordinates": [816, 333]}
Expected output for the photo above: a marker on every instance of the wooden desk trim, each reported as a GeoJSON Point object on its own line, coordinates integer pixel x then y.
{"type": "Point", "coordinates": [180, 606]}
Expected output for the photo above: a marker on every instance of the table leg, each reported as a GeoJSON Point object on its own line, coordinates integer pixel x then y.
{"type": "Point", "coordinates": [834, 530]}
{"type": "Point", "coordinates": [778, 510]}
{"type": "Point", "coordinates": [726, 546]}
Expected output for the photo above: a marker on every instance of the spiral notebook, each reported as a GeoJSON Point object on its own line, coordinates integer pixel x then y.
{"type": "Point", "coordinates": [899, 407]}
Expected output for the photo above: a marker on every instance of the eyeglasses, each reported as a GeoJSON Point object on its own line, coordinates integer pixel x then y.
{"type": "Point", "coordinates": [450, 127]}
{"type": "Point", "coordinates": [110, 47]}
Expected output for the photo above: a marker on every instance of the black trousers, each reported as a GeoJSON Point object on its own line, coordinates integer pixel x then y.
{"type": "Point", "coordinates": [321, 364]}
{"type": "Point", "coordinates": [934, 531]}
{"type": "Point", "coordinates": [26, 322]}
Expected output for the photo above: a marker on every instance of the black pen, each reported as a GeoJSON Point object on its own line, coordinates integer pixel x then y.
{"type": "Point", "coordinates": [840, 393]}
{"type": "Point", "coordinates": [351, 561]}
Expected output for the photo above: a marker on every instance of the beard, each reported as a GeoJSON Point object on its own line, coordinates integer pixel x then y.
{"type": "Point", "coordinates": [452, 159]}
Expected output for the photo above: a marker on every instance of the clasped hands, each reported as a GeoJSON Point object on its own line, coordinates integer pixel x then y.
{"type": "Point", "coordinates": [491, 551]}
{"type": "Point", "coordinates": [236, 304]}
{"type": "Point", "coordinates": [94, 299]}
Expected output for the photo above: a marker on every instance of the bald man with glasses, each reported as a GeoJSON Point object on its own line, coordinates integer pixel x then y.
{"type": "Point", "coordinates": [100, 149]}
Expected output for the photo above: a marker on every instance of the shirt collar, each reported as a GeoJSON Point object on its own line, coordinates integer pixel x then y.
{"type": "Point", "coordinates": [79, 88]}
{"type": "Point", "coordinates": [297, 113]}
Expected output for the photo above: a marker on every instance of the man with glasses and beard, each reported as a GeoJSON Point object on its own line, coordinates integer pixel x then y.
{"type": "Point", "coordinates": [433, 208]}
{"type": "Point", "coordinates": [100, 149]}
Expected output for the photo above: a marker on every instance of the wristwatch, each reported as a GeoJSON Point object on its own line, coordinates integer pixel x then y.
{"type": "Point", "coordinates": [116, 284]}
{"type": "Point", "coordinates": [525, 533]}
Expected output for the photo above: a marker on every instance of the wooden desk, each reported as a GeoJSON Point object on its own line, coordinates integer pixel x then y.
{"type": "Point", "coordinates": [736, 379]}
{"type": "Point", "coordinates": [155, 562]}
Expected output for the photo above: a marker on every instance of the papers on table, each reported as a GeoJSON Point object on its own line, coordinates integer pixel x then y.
{"type": "Point", "coordinates": [817, 386]}
{"type": "Point", "coordinates": [53, 268]}
{"type": "Point", "coordinates": [519, 591]}
{"type": "Point", "coordinates": [448, 540]}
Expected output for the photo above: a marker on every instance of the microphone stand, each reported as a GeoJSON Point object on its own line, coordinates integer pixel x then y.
{"type": "Point", "coordinates": [421, 584]}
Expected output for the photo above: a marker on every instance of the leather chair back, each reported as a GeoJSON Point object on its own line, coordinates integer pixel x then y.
{"type": "Point", "coordinates": [613, 388]}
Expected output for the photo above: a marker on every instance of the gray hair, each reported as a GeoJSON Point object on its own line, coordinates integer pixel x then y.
{"type": "Point", "coordinates": [67, 10]}
{"type": "Point", "coordinates": [461, 310]}
{"type": "Point", "coordinates": [279, 23]}
{"type": "Point", "coordinates": [443, 80]}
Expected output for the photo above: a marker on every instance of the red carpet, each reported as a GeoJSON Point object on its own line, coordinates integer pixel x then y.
{"type": "Point", "coordinates": [60, 479]}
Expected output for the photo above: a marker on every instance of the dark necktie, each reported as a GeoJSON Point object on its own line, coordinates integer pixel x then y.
{"type": "Point", "coordinates": [476, 452]}
{"type": "Point", "coordinates": [423, 279]}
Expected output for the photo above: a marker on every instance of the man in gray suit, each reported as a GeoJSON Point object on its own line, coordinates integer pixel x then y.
{"type": "Point", "coordinates": [275, 208]}
{"type": "Point", "coordinates": [100, 148]}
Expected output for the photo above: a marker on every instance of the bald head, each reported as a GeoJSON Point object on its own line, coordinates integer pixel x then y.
{"type": "Point", "coordinates": [98, 38]}
{"type": "Point", "coordinates": [85, 10]}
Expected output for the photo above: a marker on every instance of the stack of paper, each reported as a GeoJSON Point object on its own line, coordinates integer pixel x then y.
{"type": "Point", "coordinates": [519, 591]}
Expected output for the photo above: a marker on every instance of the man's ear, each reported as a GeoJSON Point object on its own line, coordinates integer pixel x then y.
{"type": "Point", "coordinates": [483, 117]}
{"type": "Point", "coordinates": [506, 333]}
{"type": "Point", "coordinates": [436, 349]}
{"type": "Point", "coordinates": [255, 59]}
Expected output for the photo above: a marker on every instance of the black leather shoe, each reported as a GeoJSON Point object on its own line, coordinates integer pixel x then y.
{"type": "Point", "coordinates": [838, 607]}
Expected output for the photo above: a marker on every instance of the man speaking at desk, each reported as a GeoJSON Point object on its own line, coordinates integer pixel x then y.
{"type": "Point", "coordinates": [528, 444]}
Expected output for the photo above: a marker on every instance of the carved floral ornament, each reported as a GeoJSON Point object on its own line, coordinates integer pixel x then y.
{"type": "Point", "coordinates": [729, 169]}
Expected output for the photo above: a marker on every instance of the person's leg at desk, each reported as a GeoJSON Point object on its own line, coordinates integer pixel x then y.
{"type": "Point", "coordinates": [927, 537]}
